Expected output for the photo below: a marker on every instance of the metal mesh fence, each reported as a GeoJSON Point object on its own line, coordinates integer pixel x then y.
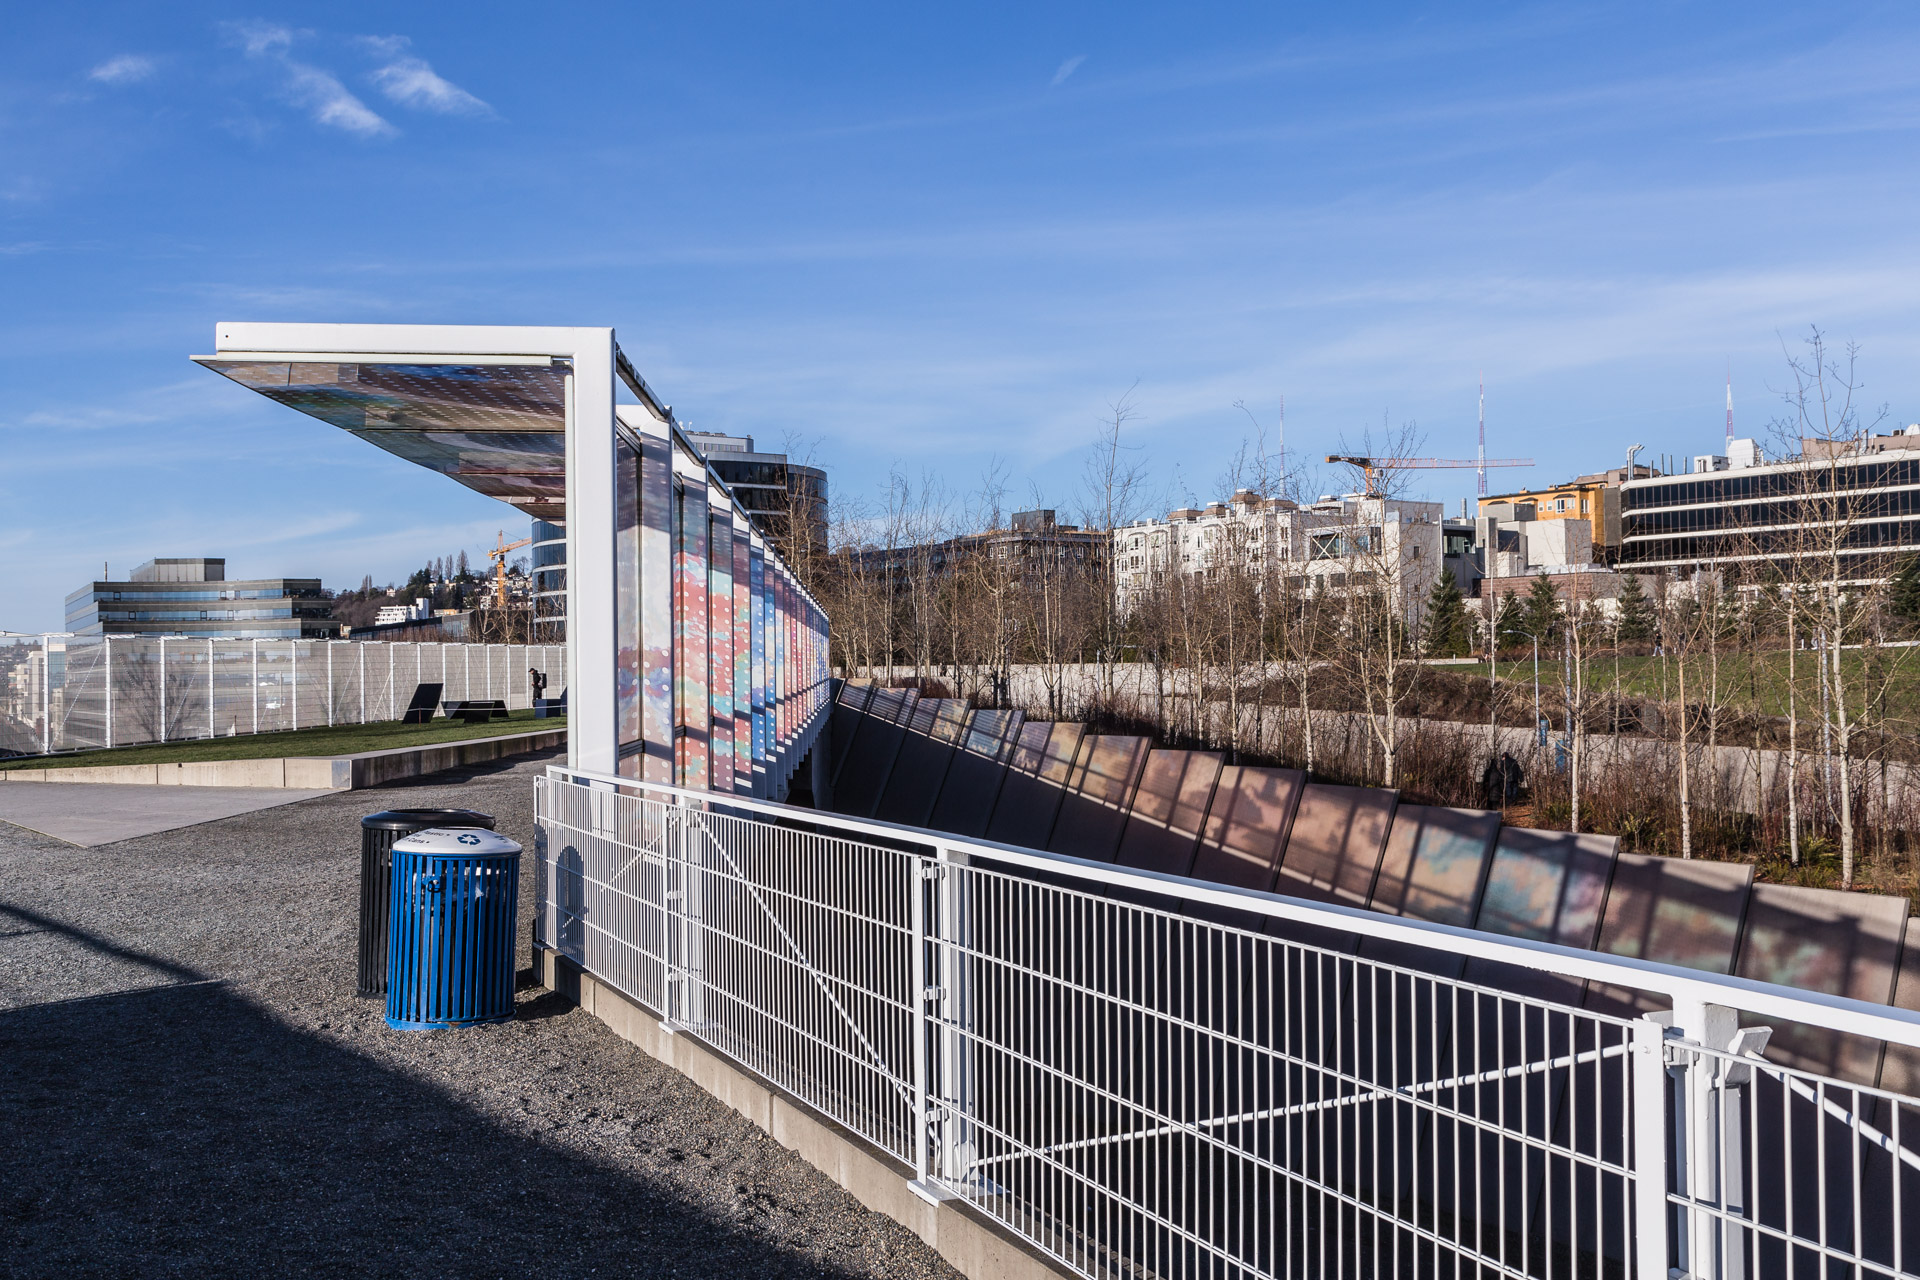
{"type": "Point", "coordinates": [77, 693]}
{"type": "Point", "coordinates": [1141, 1085]}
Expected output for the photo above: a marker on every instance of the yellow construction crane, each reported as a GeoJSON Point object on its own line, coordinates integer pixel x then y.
{"type": "Point", "coordinates": [499, 555]}
{"type": "Point", "coordinates": [1372, 467]}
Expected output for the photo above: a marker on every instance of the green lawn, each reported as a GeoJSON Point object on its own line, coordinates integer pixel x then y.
{"type": "Point", "coordinates": [1641, 677]}
{"type": "Point", "coordinates": [339, 741]}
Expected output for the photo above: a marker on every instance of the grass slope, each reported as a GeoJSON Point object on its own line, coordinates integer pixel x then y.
{"type": "Point", "coordinates": [339, 741]}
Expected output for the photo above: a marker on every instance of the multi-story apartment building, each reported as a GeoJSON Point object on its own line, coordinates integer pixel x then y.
{"type": "Point", "coordinates": [1031, 542]}
{"type": "Point", "coordinates": [1742, 515]}
{"type": "Point", "coordinates": [1592, 500]}
{"type": "Point", "coordinates": [1323, 545]}
{"type": "Point", "coordinates": [192, 597]}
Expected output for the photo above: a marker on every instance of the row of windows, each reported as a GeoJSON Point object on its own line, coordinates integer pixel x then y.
{"type": "Point", "coordinates": [139, 594]}
{"type": "Point", "coordinates": [1839, 507]}
{"type": "Point", "coordinates": [1814, 477]}
{"type": "Point", "coordinates": [1701, 548]}
{"type": "Point", "coordinates": [190, 615]}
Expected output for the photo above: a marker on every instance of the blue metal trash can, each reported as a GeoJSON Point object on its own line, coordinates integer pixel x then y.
{"type": "Point", "coordinates": [451, 932]}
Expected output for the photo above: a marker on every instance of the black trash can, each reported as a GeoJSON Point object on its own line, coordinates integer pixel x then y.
{"type": "Point", "coordinates": [378, 831]}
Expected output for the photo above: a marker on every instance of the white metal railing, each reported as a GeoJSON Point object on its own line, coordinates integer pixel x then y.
{"type": "Point", "coordinates": [1148, 1076]}
{"type": "Point", "coordinates": [77, 693]}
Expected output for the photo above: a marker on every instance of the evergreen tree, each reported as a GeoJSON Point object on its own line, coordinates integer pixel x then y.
{"type": "Point", "coordinates": [1510, 623]}
{"type": "Point", "coordinates": [1448, 632]}
{"type": "Point", "coordinates": [1542, 610]}
{"type": "Point", "coordinates": [1636, 610]}
{"type": "Point", "coordinates": [1903, 593]}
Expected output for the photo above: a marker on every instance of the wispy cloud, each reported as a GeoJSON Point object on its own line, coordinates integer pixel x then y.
{"type": "Point", "coordinates": [412, 82]}
{"type": "Point", "coordinates": [127, 68]}
{"type": "Point", "coordinates": [1067, 68]}
{"type": "Point", "coordinates": [313, 89]}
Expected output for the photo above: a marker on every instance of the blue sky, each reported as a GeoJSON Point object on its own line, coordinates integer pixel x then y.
{"type": "Point", "coordinates": [926, 239]}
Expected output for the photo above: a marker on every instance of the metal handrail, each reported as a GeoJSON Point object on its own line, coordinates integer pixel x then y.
{"type": "Point", "coordinates": [1678, 984]}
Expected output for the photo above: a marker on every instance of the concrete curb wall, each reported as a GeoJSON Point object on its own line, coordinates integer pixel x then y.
{"type": "Point", "coordinates": [977, 1248]}
{"type": "Point", "coordinates": [306, 773]}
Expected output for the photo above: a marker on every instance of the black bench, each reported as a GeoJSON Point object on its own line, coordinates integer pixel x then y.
{"type": "Point", "coordinates": [478, 710]}
{"type": "Point", "coordinates": [425, 698]}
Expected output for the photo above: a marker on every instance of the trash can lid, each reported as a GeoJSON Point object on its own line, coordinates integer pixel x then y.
{"type": "Point", "coordinates": [415, 819]}
{"type": "Point", "coordinates": [464, 842]}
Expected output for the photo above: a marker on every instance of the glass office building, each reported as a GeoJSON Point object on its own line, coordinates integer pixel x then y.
{"type": "Point", "coordinates": [192, 597]}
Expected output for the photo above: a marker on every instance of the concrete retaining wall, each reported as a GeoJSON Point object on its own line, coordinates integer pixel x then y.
{"type": "Point", "coordinates": [306, 773]}
{"type": "Point", "coordinates": [977, 1248]}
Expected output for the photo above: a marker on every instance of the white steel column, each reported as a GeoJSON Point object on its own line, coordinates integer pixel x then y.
{"type": "Point", "coordinates": [592, 733]}
{"type": "Point", "coordinates": [46, 695]}
{"type": "Point", "coordinates": [363, 682]}
{"type": "Point", "coordinates": [212, 732]}
{"type": "Point", "coordinates": [390, 714]}
{"type": "Point", "coordinates": [109, 647]}
{"type": "Point", "coordinates": [256, 686]}
{"type": "Point", "coordinates": [163, 688]}
{"type": "Point", "coordinates": [329, 645]}
{"type": "Point", "coordinates": [293, 682]}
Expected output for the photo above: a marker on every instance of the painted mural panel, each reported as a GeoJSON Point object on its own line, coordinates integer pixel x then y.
{"type": "Point", "coordinates": [1333, 848]}
{"type": "Point", "coordinates": [1835, 943]}
{"type": "Point", "coordinates": [757, 567]}
{"type": "Point", "coordinates": [1435, 863]}
{"type": "Point", "coordinates": [921, 766]}
{"type": "Point", "coordinates": [1169, 810]}
{"type": "Point", "coordinates": [1544, 886]}
{"type": "Point", "coordinates": [973, 779]}
{"type": "Point", "coordinates": [1030, 797]}
{"type": "Point", "coordinates": [692, 708]}
{"type": "Point", "coordinates": [742, 661]}
{"type": "Point", "coordinates": [656, 610]}
{"type": "Point", "coordinates": [627, 595]}
{"type": "Point", "coordinates": [1099, 795]}
{"type": "Point", "coordinates": [1246, 826]}
{"type": "Point", "coordinates": [1672, 910]}
{"type": "Point", "coordinates": [720, 647]}
{"type": "Point", "coordinates": [1900, 1072]}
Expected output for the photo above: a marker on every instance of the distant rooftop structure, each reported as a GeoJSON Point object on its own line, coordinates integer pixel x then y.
{"type": "Point", "coordinates": [771, 487]}
{"type": "Point", "coordinates": [180, 569]}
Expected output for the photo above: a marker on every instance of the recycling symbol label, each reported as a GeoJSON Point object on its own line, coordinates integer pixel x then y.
{"type": "Point", "coordinates": [469, 839]}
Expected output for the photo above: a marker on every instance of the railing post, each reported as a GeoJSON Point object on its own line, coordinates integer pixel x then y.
{"type": "Point", "coordinates": [256, 686]}
{"type": "Point", "coordinates": [1651, 1153]}
{"type": "Point", "coordinates": [163, 688]}
{"type": "Point", "coordinates": [109, 681]}
{"type": "Point", "coordinates": [921, 873]}
{"type": "Point", "coordinates": [952, 1005]}
{"type": "Point", "coordinates": [46, 695]}
{"type": "Point", "coordinates": [212, 731]}
{"type": "Point", "coordinates": [330, 692]}
{"type": "Point", "coordinates": [686, 979]}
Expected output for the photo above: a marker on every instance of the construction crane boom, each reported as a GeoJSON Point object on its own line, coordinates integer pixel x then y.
{"type": "Point", "coordinates": [498, 553]}
{"type": "Point", "coordinates": [1372, 467]}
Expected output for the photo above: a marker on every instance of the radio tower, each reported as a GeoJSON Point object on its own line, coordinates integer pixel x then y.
{"type": "Point", "coordinates": [1729, 406]}
{"type": "Point", "coordinates": [1482, 457]}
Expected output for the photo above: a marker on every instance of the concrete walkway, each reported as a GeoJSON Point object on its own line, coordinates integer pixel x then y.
{"type": "Point", "coordinates": [94, 813]}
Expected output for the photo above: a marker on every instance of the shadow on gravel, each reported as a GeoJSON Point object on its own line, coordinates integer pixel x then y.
{"type": "Point", "coordinates": [184, 1130]}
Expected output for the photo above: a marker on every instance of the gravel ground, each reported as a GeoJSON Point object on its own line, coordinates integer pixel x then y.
{"type": "Point", "coordinates": [188, 1086]}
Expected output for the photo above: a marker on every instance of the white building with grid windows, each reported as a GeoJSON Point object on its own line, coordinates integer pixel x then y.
{"type": "Point", "coordinates": [1322, 545]}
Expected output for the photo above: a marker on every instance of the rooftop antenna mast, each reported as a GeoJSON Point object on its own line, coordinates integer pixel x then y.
{"type": "Point", "coordinates": [1483, 435]}
{"type": "Point", "coordinates": [1729, 406]}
